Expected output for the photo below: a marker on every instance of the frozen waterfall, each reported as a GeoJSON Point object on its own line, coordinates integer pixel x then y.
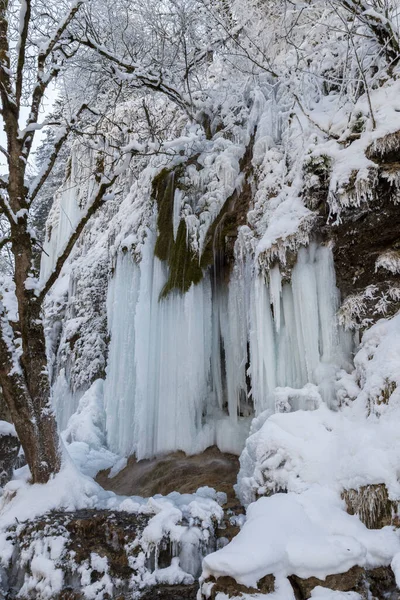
{"type": "Point", "coordinates": [188, 371]}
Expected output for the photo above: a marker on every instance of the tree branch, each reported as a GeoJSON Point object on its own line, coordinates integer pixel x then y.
{"type": "Point", "coordinates": [42, 80]}
{"type": "Point", "coordinates": [4, 241]}
{"type": "Point", "coordinates": [322, 130]}
{"type": "Point", "coordinates": [25, 15]}
{"type": "Point", "coordinates": [379, 25]}
{"type": "Point", "coordinates": [41, 179]}
{"type": "Point", "coordinates": [6, 93]}
{"type": "Point", "coordinates": [151, 80]}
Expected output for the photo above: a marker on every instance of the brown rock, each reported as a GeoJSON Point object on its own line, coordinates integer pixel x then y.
{"type": "Point", "coordinates": [175, 472]}
{"type": "Point", "coordinates": [9, 448]}
{"type": "Point", "coordinates": [386, 151]}
{"type": "Point", "coordinates": [171, 592]}
{"type": "Point", "coordinates": [343, 582]}
{"type": "Point", "coordinates": [371, 503]}
{"type": "Point", "coordinates": [230, 587]}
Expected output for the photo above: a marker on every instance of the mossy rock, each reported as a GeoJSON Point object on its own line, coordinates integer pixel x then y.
{"type": "Point", "coordinates": [185, 266]}
{"type": "Point", "coordinates": [183, 263]}
{"type": "Point", "coordinates": [316, 173]}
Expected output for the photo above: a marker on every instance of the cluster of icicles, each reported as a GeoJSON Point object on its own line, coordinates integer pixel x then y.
{"type": "Point", "coordinates": [189, 371]}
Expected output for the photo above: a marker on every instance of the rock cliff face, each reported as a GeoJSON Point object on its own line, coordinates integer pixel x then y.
{"type": "Point", "coordinates": [366, 243]}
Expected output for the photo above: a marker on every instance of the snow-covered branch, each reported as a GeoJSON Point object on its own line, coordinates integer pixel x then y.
{"type": "Point", "coordinates": [43, 79]}
{"type": "Point", "coordinates": [61, 137]}
{"type": "Point", "coordinates": [380, 26]}
{"type": "Point", "coordinates": [136, 73]}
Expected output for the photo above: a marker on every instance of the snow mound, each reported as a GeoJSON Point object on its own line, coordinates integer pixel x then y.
{"type": "Point", "coordinates": [307, 535]}
{"type": "Point", "coordinates": [7, 429]}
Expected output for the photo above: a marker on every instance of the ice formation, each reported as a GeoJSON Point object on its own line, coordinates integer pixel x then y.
{"type": "Point", "coordinates": [188, 371]}
{"type": "Point", "coordinates": [68, 207]}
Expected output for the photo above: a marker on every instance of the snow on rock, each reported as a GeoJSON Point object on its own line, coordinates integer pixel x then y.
{"type": "Point", "coordinates": [313, 456]}
{"type": "Point", "coordinates": [390, 261]}
{"type": "Point", "coordinates": [377, 365]}
{"type": "Point", "coordinates": [293, 451]}
{"type": "Point", "coordinates": [172, 575]}
{"type": "Point", "coordinates": [320, 593]}
{"type": "Point", "coordinates": [185, 523]}
{"type": "Point", "coordinates": [308, 534]}
{"type": "Point", "coordinates": [395, 564]}
{"type": "Point", "coordinates": [289, 226]}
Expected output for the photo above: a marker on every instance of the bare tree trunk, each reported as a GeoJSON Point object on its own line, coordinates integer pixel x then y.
{"type": "Point", "coordinates": [34, 422]}
{"type": "Point", "coordinates": [26, 386]}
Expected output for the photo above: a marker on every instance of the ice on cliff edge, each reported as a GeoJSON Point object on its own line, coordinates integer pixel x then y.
{"type": "Point", "coordinates": [188, 371]}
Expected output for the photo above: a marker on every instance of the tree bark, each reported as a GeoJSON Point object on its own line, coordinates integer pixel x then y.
{"type": "Point", "coordinates": [26, 386]}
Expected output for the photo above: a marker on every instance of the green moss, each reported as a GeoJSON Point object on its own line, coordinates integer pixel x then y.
{"type": "Point", "coordinates": [185, 267]}
{"type": "Point", "coordinates": [358, 125]}
{"type": "Point", "coordinates": [163, 189]}
{"type": "Point", "coordinates": [183, 263]}
{"type": "Point", "coordinates": [222, 234]}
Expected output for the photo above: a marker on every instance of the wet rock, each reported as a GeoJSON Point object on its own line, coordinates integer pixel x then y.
{"type": "Point", "coordinates": [230, 587]}
{"type": "Point", "coordinates": [175, 472]}
{"type": "Point", "coordinates": [178, 472]}
{"type": "Point", "coordinates": [160, 592]}
{"type": "Point", "coordinates": [385, 151]}
{"type": "Point", "coordinates": [86, 548]}
{"type": "Point", "coordinates": [374, 584]}
{"type": "Point", "coordinates": [364, 233]}
{"type": "Point", "coordinates": [97, 554]}
{"type": "Point", "coordinates": [382, 584]}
